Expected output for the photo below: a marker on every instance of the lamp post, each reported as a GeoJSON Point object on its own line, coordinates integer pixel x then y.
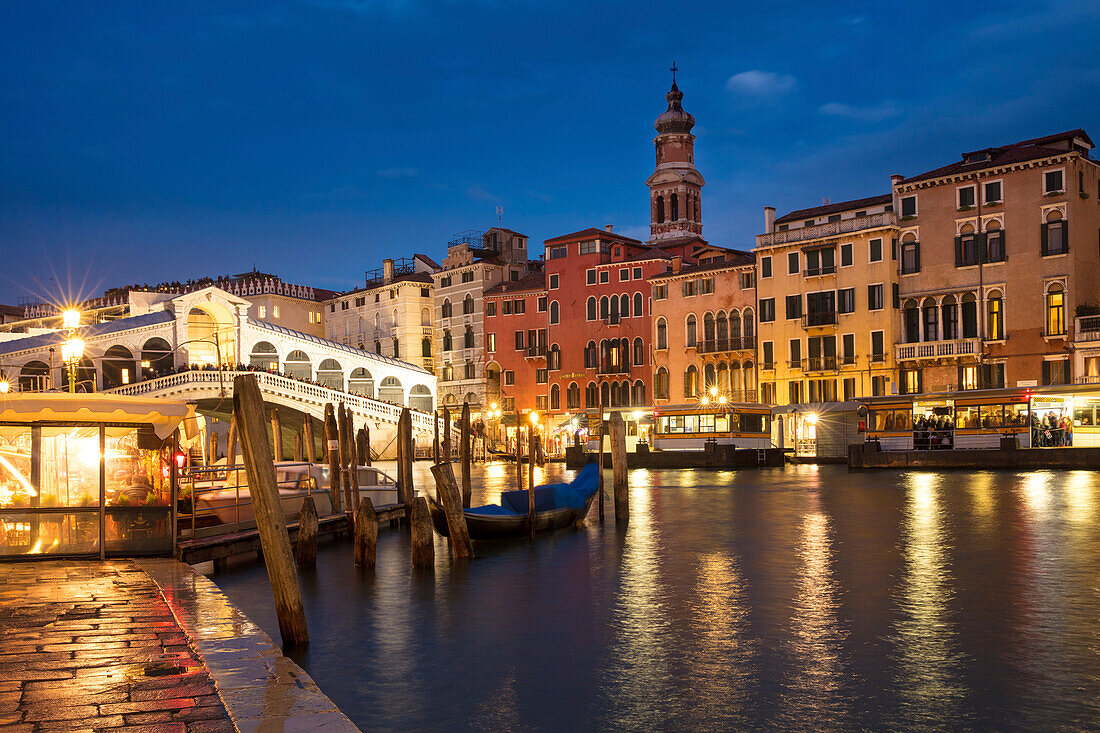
{"type": "Point", "coordinates": [72, 349]}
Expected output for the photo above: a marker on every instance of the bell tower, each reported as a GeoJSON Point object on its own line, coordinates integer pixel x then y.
{"type": "Point", "coordinates": [674, 187]}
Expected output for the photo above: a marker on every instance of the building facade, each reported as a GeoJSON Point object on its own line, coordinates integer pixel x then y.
{"type": "Point", "coordinates": [516, 346]}
{"type": "Point", "coordinates": [704, 329]}
{"type": "Point", "coordinates": [997, 254]}
{"type": "Point", "coordinates": [475, 263]}
{"type": "Point", "coordinates": [825, 284]}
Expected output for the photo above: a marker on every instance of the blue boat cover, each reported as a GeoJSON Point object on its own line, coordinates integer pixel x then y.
{"type": "Point", "coordinates": [548, 496]}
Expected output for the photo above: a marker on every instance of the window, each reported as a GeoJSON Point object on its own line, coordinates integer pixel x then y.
{"type": "Point", "coordinates": [846, 300]}
{"type": "Point", "coordinates": [605, 276]}
{"type": "Point", "coordinates": [509, 377]}
{"type": "Point", "coordinates": [911, 381]}
{"type": "Point", "coordinates": [878, 385]}
{"type": "Point", "coordinates": [745, 280]}
{"type": "Point", "coordinates": [557, 253]}
{"type": "Point", "coordinates": [662, 333]}
{"type": "Point", "coordinates": [849, 389]}
{"type": "Point", "coordinates": [344, 304]}
{"type": "Point", "coordinates": [445, 309]}
{"type": "Point", "coordinates": [1056, 371]}
{"type": "Point", "coordinates": [588, 248]}
{"type": "Point", "coordinates": [992, 192]}
{"type": "Point", "coordinates": [991, 376]}
{"type": "Point", "coordinates": [660, 384]}
{"type": "Point", "coordinates": [554, 314]}
{"type": "Point", "coordinates": [874, 297]}
{"type": "Point", "coordinates": [792, 263]}
{"type": "Point", "coordinates": [637, 273]}
{"type": "Point", "coordinates": [1056, 310]}
{"type": "Point", "coordinates": [590, 277]}
{"type": "Point", "coordinates": [490, 342]}
{"type": "Point", "coordinates": [467, 277]}
{"type": "Point", "coordinates": [848, 348]}
{"type": "Point", "coordinates": [555, 397]}
{"type": "Point", "coordinates": [425, 293]}
{"type": "Point", "coordinates": [690, 334]}
{"type": "Point", "coordinates": [794, 348]}
{"type": "Point", "coordinates": [660, 292]}
{"type": "Point", "coordinates": [910, 257]}
{"type": "Point", "coordinates": [637, 305]}
{"type": "Point", "coordinates": [469, 371]}
{"type": "Point", "coordinates": [966, 197]}
{"type": "Point", "coordinates": [444, 282]}
{"type": "Point", "coordinates": [691, 382]}
{"type": "Point", "coordinates": [794, 306]}
{"type": "Point", "coordinates": [467, 339]}
{"type": "Point", "coordinates": [591, 355]}
{"type": "Point", "coordinates": [966, 248]}
{"type": "Point", "coordinates": [970, 316]}
{"type": "Point", "coordinates": [821, 262]}
{"type": "Point", "coordinates": [447, 343]}
{"type": "Point", "coordinates": [995, 245]}
{"type": "Point", "coordinates": [766, 266]}
{"type": "Point", "coordinates": [541, 376]}
{"type": "Point", "coordinates": [1052, 182]}
{"type": "Point", "coordinates": [909, 206]}
{"type": "Point", "coordinates": [994, 318]}
{"type": "Point", "coordinates": [1054, 238]}
{"type": "Point", "coordinates": [332, 307]}
{"type": "Point", "coordinates": [542, 304]}
{"type": "Point", "coordinates": [687, 288]}
{"type": "Point", "coordinates": [846, 255]}
{"type": "Point", "coordinates": [767, 310]}
{"type": "Point", "coordinates": [519, 340]}
{"type": "Point", "coordinates": [878, 346]}
{"type": "Point", "coordinates": [553, 357]}
{"type": "Point", "coordinates": [767, 352]}
{"type": "Point", "coordinates": [624, 275]}
{"type": "Point", "coordinates": [968, 378]}
{"type": "Point", "coordinates": [874, 250]}
{"type": "Point", "coordinates": [506, 308]}
{"type": "Point", "coordinates": [590, 309]}
{"type": "Point", "coordinates": [519, 307]}
{"type": "Point", "coordinates": [639, 352]}
{"type": "Point", "coordinates": [263, 311]}
{"type": "Point", "coordinates": [553, 279]}
{"type": "Point", "coordinates": [468, 305]}
{"type": "Point", "coordinates": [573, 396]}
{"type": "Point", "coordinates": [706, 285]}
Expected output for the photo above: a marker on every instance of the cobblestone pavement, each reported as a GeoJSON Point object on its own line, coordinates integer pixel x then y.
{"type": "Point", "coordinates": [90, 646]}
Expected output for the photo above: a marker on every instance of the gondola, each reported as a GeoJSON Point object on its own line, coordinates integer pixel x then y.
{"type": "Point", "coordinates": [497, 453]}
{"type": "Point", "coordinates": [556, 506]}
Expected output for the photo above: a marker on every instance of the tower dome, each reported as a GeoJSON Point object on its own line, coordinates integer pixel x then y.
{"type": "Point", "coordinates": [674, 119]}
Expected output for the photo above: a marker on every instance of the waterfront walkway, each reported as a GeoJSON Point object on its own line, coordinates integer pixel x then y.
{"type": "Point", "coordinates": [118, 645]}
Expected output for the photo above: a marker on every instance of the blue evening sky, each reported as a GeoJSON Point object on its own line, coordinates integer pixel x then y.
{"type": "Point", "coordinates": [152, 141]}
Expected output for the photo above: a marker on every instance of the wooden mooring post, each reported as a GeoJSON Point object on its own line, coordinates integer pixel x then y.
{"type": "Point", "coordinates": [311, 443]}
{"type": "Point", "coordinates": [447, 434]}
{"type": "Point", "coordinates": [347, 453]}
{"type": "Point", "coordinates": [618, 467]}
{"type": "Point", "coordinates": [366, 445]}
{"type": "Point", "coordinates": [423, 541]}
{"type": "Point", "coordinates": [362, 451]}
{"type": "Point", "coordinates": [248, 409]}
{"type": "Point", "coordinates": [306, 550]}
{"type": "Point", "coordinates": [531, 478]}
{"type": "Point", "coordinates": [212, 444]}
{"type": "Point", "coordinates": [231, 444]}
{"type": "Point", "coordinates": [366, 533]}
{"type": "Point", "coordinates": [332, 448]}
{"type": "Point", "coordinates": [276, 435]}
{"type": "Point", "coordinates": [519, 454]}
{"type": "Point", "coordinates": [599, 435]}
{"type": "Point", "coordinates": [298, 446]}
{"type": "Point", "coordinates": [435, 438]}
{"type": "Point", "coordinates": [407, 493]}
{"type": "Point", "coordinates": [449, 496]}
{"type": "Point", "coordinates": [467, 490]}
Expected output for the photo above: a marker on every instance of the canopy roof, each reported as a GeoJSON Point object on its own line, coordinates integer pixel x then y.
{"type": "Point", "coordinates": [163, 415]}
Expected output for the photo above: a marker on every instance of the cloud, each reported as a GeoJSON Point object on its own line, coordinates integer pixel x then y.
{"type": "Point", "coordinates": [761, 84]}
{"type": "Point", "coordinates": [395, 173]}
{"type": "Point", "coordinates": [874, 113]}
{"type": "Point", "coordinates": [478, 193]}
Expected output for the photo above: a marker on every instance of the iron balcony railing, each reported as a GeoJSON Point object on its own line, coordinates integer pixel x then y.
{"type": "Point", "coordinates": [1087, 328]}
{"type": "Point", "coordinates": [819, 318]}
{"type": "Point", "coordinates": [937, 349]}
{"type": "Point", "coordinates": [713, 346]}
{"type": "Point", "coordinates": [820, 270]}
{"type": "Point", "coordinates": [821, 364]}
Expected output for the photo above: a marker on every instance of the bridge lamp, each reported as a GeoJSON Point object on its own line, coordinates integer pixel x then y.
{"type": "Point", "coordinates": [72, 351]}
{"type": "Point", "coordinates": [70, 318]}
{"type": "Point", "coordinates": [5, 386]}
{"type": "Point", "coordinates": [722, 400]}
{"type": "Point", "coordinates": [705, 400]}
{"type": "Point", "coordinates": [811, 418]}
{"type": "Point", "coordinates": [534, 418]}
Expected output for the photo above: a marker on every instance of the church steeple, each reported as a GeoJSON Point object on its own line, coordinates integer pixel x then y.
{"type": "Point", "coordinates": [675, 186]}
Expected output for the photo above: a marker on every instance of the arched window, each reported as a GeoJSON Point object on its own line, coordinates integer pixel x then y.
{"type": "Point", "coordinates": [691, 382]}
{"type": "Point", "coordinates": [156, 358]}
{"type": "Point", "coordinates": [690, 336]}
{"type": "Point", "coordinates": [1056, 310]}
{"type": "Point", "coordinates": [378, 347]}
{"type": "Point", "coordinates": [425, 317]}
{"type": "Point", "coordinates": [118, 367]}
{"type": "Point", "coordinates": [34, 376]}
{"type": "Point", "coordinates": [660, 384]}
{"type": "Point", "coordinates": [264, 356]}
{"type": "Point", "coordinates": [994, 316]}
{"type": "Point", "coordinates": [969, 310]}
{"type": "Point", "coordinates": [637, 305]}
{"type": "Point", "coordinates": [708, 331]}
{"type": "Point", "coordinates": [361, 382]}
{"type": "Point", "coordinates": [624, 353]}
{"type": "Point", "coordinates": [390, 391]}
{"type": "Point", "coordinates": [710, 377]}
{"type": "Point", "coordinates": [591, 309]}
{"type": "Point", "coordinates": [591, 356]}
{"type": "Point", "coordinates": [660, 209]}
{"type": "Point", "coordinates": [735, 330]}
{"type": "Point", "coordinates": [394, 322]}
{"type": "Point", "coordinates": [555, 397]}
{"type": "Point", "coordinates": [396, 348]}
{"type": "Point", "coordinates": [639, 352]}
{"type": "Point", "coordinates": [931, 315]}
{"type": "Point", "coordinates": [723, 378]}
{"type": "Point", "coordinates": [747, 328]}
{"type": "Point", "coordinates": [420, 398]}
{"type": "Point", "coordinates": [330, 374]}
{"type": "Point", "coordinates": [426, 348]}
{"type": "Point", "coordinates": [1053, 235]}
{"type": "Point", "coordinates": [468, 338]}
{"type": "Point", "coordinates": [662, 333]}
{"type": "Point", "coordinates": [591, 395]}
{"type": "Point", "coordinates": [468, 304]}
{"type": "Point", "coordinates": [674, 206]}
{"type": "Point", "coordinates": [638, 395]}
{"type": "Point", "coordinates": [614, 303]}
{"type": "Point", "coordinates": [613, 394]}
{"type": "Point", "coordinates": [605, 394]}
{"type": "Point", "coordinates": [377, 321]}
{"type": "Point", "coordinates": [721, 330]}
{"type": "Point", "coordinates": [553, 358]}
{"type": "Point", "coordinates": [447, 345]}
{"type": "Point", "coordinates": [296, 365]}
{"type": "Point", "coordinates": [911, 320]}
{"type": "Point", "coordinates": [554, 312]}
{"type": "Point", "coordinates": [362, 325]}
{"type": "Point", "coordinates": [624, 306]}
{"type": "Point", "coordinates": [949, 318]}
{"type": "Point", "coordinates": [605, 311]}
{"type": "Point", "coordinates": [573, 396]}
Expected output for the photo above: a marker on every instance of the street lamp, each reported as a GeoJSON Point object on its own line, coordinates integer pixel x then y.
{"type": "Point", "coordinates": [72, 351]}
{"type": "Point", "coordinates": [5, 386]}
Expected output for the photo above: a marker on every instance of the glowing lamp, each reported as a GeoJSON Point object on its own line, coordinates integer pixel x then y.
{"type": "Point", "coordinates": [5, 386]}
{"type": "Point", "coordinates": [713, 391]}
{"type": "Point", "coordinates": [638, 415]}
{"type": "Point", "coordinates": [181, 458]}
{"type": "Point", "coordinates": [722, 400]}
{"type": "Point", "coordinates": [72, 349]}
{"type": "Point", "coordinates": [493, 407]}
{"type": "Point", "coordinates": [534, 417]}
{"type": "Point", "coordinates": [70, 318]}
{"type": "Point", "coordinates": [705, 401]}
{"type": "Point", "coordinates": [811, 418]}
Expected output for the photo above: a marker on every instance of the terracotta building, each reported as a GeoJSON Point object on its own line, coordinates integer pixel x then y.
{"type": "Point", "coordinates": [996, 253]}
{"type": "Point", "coordinates": [704, 329]}
{"type": "Point", "coordinates": [516, 345]}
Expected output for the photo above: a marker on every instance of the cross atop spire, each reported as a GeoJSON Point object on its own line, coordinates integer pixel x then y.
{"type": "Point", "coordinates": [673, 69]}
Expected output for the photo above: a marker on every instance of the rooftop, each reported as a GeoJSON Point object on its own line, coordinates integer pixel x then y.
{"type": "Point", "coordinates": [594, 233]}
{"type": "Point", "coordinates": [1034, 149]}
{"type": "Point", "coordinates": [826, 209]}
{"type": "Point", "coordinates": [533, 281]}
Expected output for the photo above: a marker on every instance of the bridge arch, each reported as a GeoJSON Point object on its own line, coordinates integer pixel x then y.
{"type": "Point", "coordinates": [420, 398]}
{"type": "Point", "coordinates": [211, 335]}
{"type": "Point", "coordinates": [118, 367]}
{"type": "Point", "coordinates": [331, 374]}
{"type": "Point", "coordinates": [390, 390]}
{"type": "Point", "coordinates": [361, 382]}
{"type": "Point", "coordinates": [156, 358]}
{"type": "Point", "coordinates": [297, 365]}
{"type": "Point", "coordinates": [265, 356]}
{"type": "Point", "coordinates": [34, 376]}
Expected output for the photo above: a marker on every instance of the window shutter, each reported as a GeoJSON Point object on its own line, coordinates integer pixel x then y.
{"type": "Point", "coordinates": [916, 255]}
{"type": "Point", "coordinates": [870, 295]}
{"type": "Point", "coordinates": [1046, 372]}
{"type": "Point", "coordinates": [897, 297]}
{"type": "Point", "coordinates": [1065, 235]}
{"type": "Point", "coordinates": [958, 251]}
{"type": "Point", "coordinates": [894, 249]}
{"type": "Point", "coordinates": [981, 241]}
{"type": "Point", "coordinates": [687, 384]}
{"type": "Point", "coordinates": [1004, 246]}
{"type": "Point", "coordinates": [1043, 239]}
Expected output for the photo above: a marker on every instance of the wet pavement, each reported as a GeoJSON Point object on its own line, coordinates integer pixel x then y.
{"type": "Point", "coordinates": [88, 646]}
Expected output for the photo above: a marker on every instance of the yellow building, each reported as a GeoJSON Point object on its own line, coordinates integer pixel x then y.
{"type": "Point", "coordinates": [825, 291]}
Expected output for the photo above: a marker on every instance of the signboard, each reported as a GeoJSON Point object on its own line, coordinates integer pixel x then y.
{"type": "Point", "coordinates": [593, 425]}
{"type": "Point", "coordinates": [1027, 383]}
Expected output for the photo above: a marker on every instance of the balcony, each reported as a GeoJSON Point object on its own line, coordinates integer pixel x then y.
{"type": "Point", "coordinates": [535, 352]}
{"type": "Point", "coordinates": [606, 368]}
{"type": "Point", "coordinates": [794, 364]}
{"type": "Point", "coordinates": [818, 271]}
{"type": "Point", "coordinates": [819, 319]}
{"type": "Point", "coordinates": [821, 364]}
{"type": "Point", "coordinates": [717, 346]}
{"type": "Point", "coordinates": [1086, 328]}
{"type": "Point", "coordinates": [612, 320]}
{"type": "Point", "coordinates": [831, 229]}
{"type": "Point", "coordinates": [931, 350]}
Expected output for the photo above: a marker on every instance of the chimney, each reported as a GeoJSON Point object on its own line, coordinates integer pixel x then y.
{"type": "Point", "coordinates": [608, 228]}
{"type": "Point", "coordinates": [387, 271]}
{"type": "Point", "coordinates": [677, 263]}
{"type": "Point", "coordinates": [769, 219]}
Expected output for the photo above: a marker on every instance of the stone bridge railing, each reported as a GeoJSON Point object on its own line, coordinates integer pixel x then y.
{"type": "Point", "coordinates": [277, 384]}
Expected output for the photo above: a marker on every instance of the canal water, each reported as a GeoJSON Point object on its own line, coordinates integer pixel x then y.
{"type": "Point", "coordinates": [803, 598]}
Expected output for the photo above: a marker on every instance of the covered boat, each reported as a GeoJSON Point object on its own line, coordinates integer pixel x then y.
{"type": "Point", "coordinates": [556, 506]}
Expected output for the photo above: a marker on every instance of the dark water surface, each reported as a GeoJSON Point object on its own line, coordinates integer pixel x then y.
{"type": "Point", "coordinates": [802, 598]}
